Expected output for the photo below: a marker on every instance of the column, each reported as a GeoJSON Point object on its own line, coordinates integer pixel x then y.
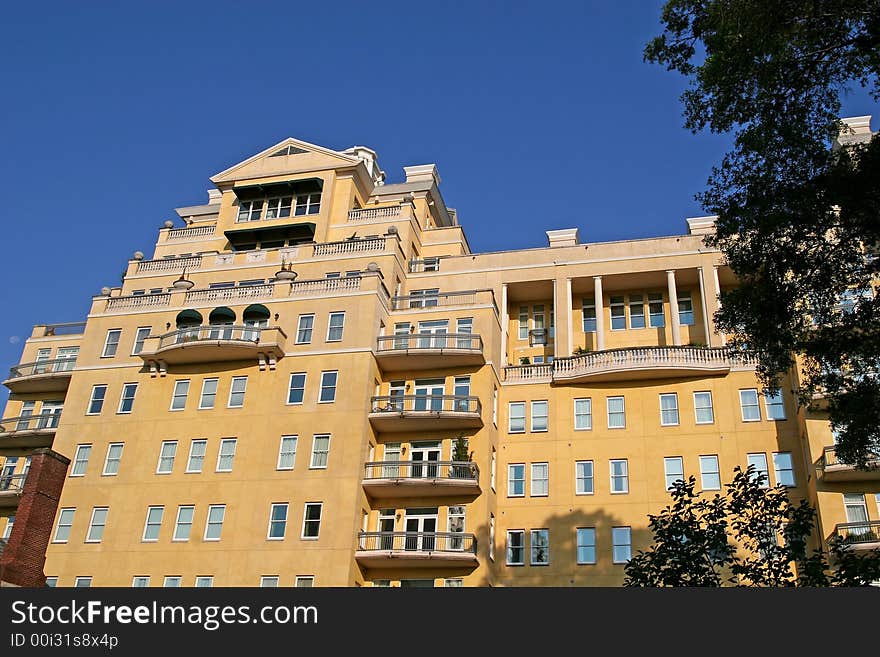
{"type": "Point", "coordinates": [569, 324]}
{"type": "Point", "coordinates": [718, 297]}
{"type": "Point", "coordinates": [504, 323]}
{"type": "Point", "coordinates": [600, 313]}
{"type": "Point", "coordinates": [673, 307]}
{"type": "Point", "coordinates": [705, 308]}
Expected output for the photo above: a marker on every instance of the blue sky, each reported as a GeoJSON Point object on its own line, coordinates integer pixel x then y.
{"type": "Point", "coordinates": [539, 115]}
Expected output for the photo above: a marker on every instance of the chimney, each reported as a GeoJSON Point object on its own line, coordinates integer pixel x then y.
{"type": "Point", "coordinates": [563, 237]}
{"type": "Point", "coordinates": [701, 225]}
{"type": "Point", "coordinates": [422, 172]}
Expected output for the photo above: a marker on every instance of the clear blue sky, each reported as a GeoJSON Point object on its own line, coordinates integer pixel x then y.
{"type": "Point", "coordinates": [539, 115]}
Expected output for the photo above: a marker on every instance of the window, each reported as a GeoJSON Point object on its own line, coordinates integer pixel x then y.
{"type": "Point", "coordinates": [183, 523]}
{"type": "Point", "coordinates": [278, 208]}
{"type": "Point", "coordinates": [492, 469]}
{"type": "Point", "coordinates": [250, 210]}
{"type": "Point", "coordinates": [236, 391]}
{"type": "Point", "coordinates": [178, 398]}
{"type": "Point", "coordinates": [277, 521]}
{"type": "Point", "coordinates": [328, 387]}
{"type": "Point", "coordinates": [65, 522]}
{"type": "Point", "coordinates": [636, 311]}
{"type": "Point", "coordinates": [539, 416]}
{"type": "Point", "coordinates": [142, 334]}
{"type": "Point", "coordinates": [320, 451]}
{"type": "Point", "coordinates": [312, 520]}
{"type": "Point", "coordinates": [774, 405]}
{"type": "Point", "coordinates": [583, 477]}
{"type": "Point", "coordinates": [516, 552]}
{"type": "Point", "coordinates": [621, 541]}
{"type": "Point", "coordinates": [703, 408]}
{"type": "Point", "coordinates": [111, 461]}
{"type": "Point", "coordinates": [226, 455]}
{"type": "Point", "coordinates": [586, 545]}
{"type": "Point", "coordinates": [172, 581]}
{"type": "Point", "coordinates": [335, 327]}
{"type": "Point", "coordinates": [153, 523]}
{"type": "Point", "coordinates": [523, 326]}
{"type": "Point", "coordinates": [209, 393]}
{"type": "Point", "coordinates": [685, 309]}
{"type": "Point", "coordinates": [516, 417]}
{"type": "Point", "coordinates": [204, 581]}
{"type": "Point", "coordinates": [126, 400]}
{"type": "Point", "coordinates": [619, 476]}
{"type": "Point", "coordinates": [673, 466]}
{"type": "Point", "coordinates": [96, 401]}
{"type": "Point", "coordinates": [748, 402]}
{"type": "Point", "coordinates": [96, 524]}
{"type": "Point", "coordinates": [81, 460]}
{"type": "Point", "coordinates": [710, 473]}
{"type": "Point", "coordinates": [287, 453]}
{"type": "Point", "coordinates": [52, 582]}
{"type": "Point", "coordinates": [82, 582]}
{"type": "Point", "coordinates": [269, 582]}
{"type": "Point", "coordinates": [540, 480]}
{"type": "Point", "coordinates": [516, 480]}
{"type": "Point", "coordinates": [539, 542]}
{"type": "Point", "coordinates": [196, 459]}
{"type": "Point", "coordinates": [166, 457]}
{"type": "Point", "coordinates": [583, 414]}
{"type": "Point", "coordinates": [616, 413]}
{"type": "Point", "coordinates": [669, 409]}
{"type": "Point", "coordinates": [304, 581]}
{"type": "Point", "coordinates": [589, 310]}
{"type": "Point", "coordinates": [111, 343]}
{"type": "Point", "coordinates": [7, 531]}
{"type": "Point", "coordinates": [454, 582]}
{"type": "Point", "coordinates": [783, 466]}
{"type": "Point", "coordinates": [760, 462]}
{"type": "Point", "coordinates": [297, 388]}
{"type": "Point", "coordinates": [214, 525]}
{"type": "Point", "coordinates": [492, 533]}
{"type": "Point", "coordinates": [618, 313]}
{"type": "Point", "coordinates": [304, 329]}
{"type": "Point", "coordinates": [655, 311]}
{"type": "Point", "coordinates": [307, 204]}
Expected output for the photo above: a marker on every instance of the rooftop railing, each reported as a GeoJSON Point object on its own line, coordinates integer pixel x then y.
{"type": "Point", "coordinates": [829, 459]}
{"type": "Point", "coordinates": [353, 246]}
{"type": "Point", "coordinates": [66, 328]}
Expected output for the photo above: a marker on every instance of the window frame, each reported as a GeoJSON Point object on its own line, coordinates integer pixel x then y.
{"type": "Point", "coordinates": [92, 525]}
{"type": "Point", "coordinates": [521, 547]}
{"type": "Point", "coordinates": [622, 412]}
{"type": "Point", "coordinates": [591, 478]}
{"type": "Point", "coordinates": [202, 393]}
{"type": "Point", "coordinates": [510, 406]}
{"type": "Point", "coordinates": [663, 423]}
{"type": "Point", "coordinates": [533, 533]}
{"type": "Point", "coordinates": [189, 459]}
{"type": "Point", "coordinates": [77, 459]}
{"type": "Point", "coordinates": [578, 545]}
{"type": "Point", "coordinates": [323, 386]}
{"type": "Point", "coordinates": [666, 473]}
{"type": "Point", "coordinates": [175, 538]}
{"type": "Point", "coordinates": [137, 345]}
{"type": "Point", "coordinates": [615, 545]}
{"type": "Point", "coordinates": [790, 469]}
{"type": "Point", "coordinates": [589, 414]}
{"type": "Point", "coordinates": [697, 408]}
{"type": "Point", "coordinates": [118, 460]}
{"type": "Point", "coordinates": [173, 457]}
{"type": "Point", "coordinates": [272, 521]}
{"type": "Point", "coordinates": [309, 329]}
{"type": "Point", "coordinates": [108, 343]}
{"type": "Point", "coordinates": [704, 473]}
{"type": "Point", "coordinates": [232, 391]}
{"type": "Point", "coordinates": [290, 389]}
{"type": "Point", "coordinates": [625, 476]}
{"type": "Point", "coordinates": [281, 452]}
{"type": "Point", "coordinates": [62, 514]}
{"type": "Point", "coordinates": [511, 479]}
{"type": "Point", "coordinates": [208, 523]}
{"type": "Point", "coordinates": [147, 524]}
{"type": "Point", "coordinates": [330, 327]}
{"type": "Point", "coordinates": [93, 400]}
{"type": "Point", "coordinates": [122, 398]}
{"type": "Point", "coordinates": [537, 404]}
{"type": "Point", "coordinates": [221, 455]}
{"type": "Point", "coordinates": [545, 479]}
{"type": "Point", "coordinates": [778, 403]}
{"type": "Point", "coordinates": [306, 520]}
{"type": "Point", "coordinates": [315, 452]}
{"type": "Point", "coordinates": [743, 406]}
{"type": "Point", "coordinates": [175, 395]}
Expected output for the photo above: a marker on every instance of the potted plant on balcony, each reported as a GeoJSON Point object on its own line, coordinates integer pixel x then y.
{"type": "Point", "coordinates": [580, 351]}
{"type": "Point", "coordinates": [525, 360]}
{"type": "Point", "coordinates": [460, 456]}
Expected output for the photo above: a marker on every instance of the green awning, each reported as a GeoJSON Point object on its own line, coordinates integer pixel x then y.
{"type": "Point", "coordinates": [287, 188]}
{"type": "Point", "coordinates": [289, 233]}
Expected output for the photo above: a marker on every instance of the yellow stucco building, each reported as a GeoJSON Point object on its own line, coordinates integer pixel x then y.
{"type": "Point", "coordinates": [314, 381]}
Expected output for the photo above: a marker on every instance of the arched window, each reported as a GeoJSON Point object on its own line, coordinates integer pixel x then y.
{"type": "Point", "coordinates": [224, 317]}
{"type": "Point", "coordinates": [188, 322]}
{"type": "Point", "coordinates": [255, 316]}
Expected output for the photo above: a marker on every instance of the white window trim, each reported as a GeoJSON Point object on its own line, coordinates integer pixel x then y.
{"type": "Point", "coordinates": [202, 394]}
{"type": "Point", "coordinates": [192, 444]}
{"type": "Point", "coordinates": [576, 463]}
{"type": "Point", "coordinates": [92, 398]}
{"type": "Point", "coordinates": [290, 382]}
{"type": "Point", "coordinates": [296, 339]}
{"type": "Point", "coordinates": [329, 320]}
{"type": "Point", "coordinates": [608, 412]}
{"type": "Point", "coordinates": [320, 520]}
{"type": "Point", "coordinates": [717, 472]}
{"type": "Point", "coordinates": [174, 395]}
{"type": "Point", "coordinates": [677, 410]}
{"type": "Point", "coordinates": [711, 406]}
{"type": "Point", "coordinates": [174, 538]}
{"type": "Point", "coordinates": [119, 410]}
{"type": "Point", "coordinates": [509, 479]}
{"type": "Point", "coordinates": [134, 342]}
{"type": "Point", "coordinates": [144, 538]}
{"type": "Point", "coordinates": [92, 521]}
{"type": "Point", "coordinates": [280, 446]}
{"type": "Point", "coordinates": [611, 463]}
{"type": "Point", "coordinates": [532, 428]}
{"type": "Point", "coordinates": [232, 389]}
{"type": "Point", "coordinates": [208, 524]}
{"type": "Point", "coordinates": [742, 407]}
{"type": "Point", "coordinates": [522, 547]}
{"type": "Point", "coordinates": [76, 459]}
{"type": "Point", "coordinates": [58, 524]}
{"type": "Point", "coordinates": [781, 405]}
{"type": "Point", "coordinates": [510, 418]}
{"type": "Point", "coordinates": [532, 492]}
{"type": "Point", "coordinates": [173, 458]}
{"type": "Point", "coordinates": [234, 442]}
{"type": "Point", "coordinates": [312, 465]}
{"type": "Point", "coordinates": [110, 446]}
{"type": "Point", "coordinates": [272, 506]}
{"type": "Point", "coordinates": [300, 578]}
{"type": "Point", "coordinates": [577, 546]}
{"type": "Point", "coordinates": [575, 413]}
{"type": "Point", "coordinates": [104, 353]}
{"type": "Point", "coordinates": [321, 387]}
{"type": "Point", "coordinates": [532, 533]}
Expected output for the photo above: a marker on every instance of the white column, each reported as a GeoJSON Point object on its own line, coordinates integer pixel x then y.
{"type": "Point", "coordinates": [718, 297]}
{"type": "Point", "coordinates": [504, 323]}
{"type": "Point", "coordinates": [600, 313]}
{"type": "Point", "coordinates": [673, 307]}
{"type": "Point", "coordinates": [705, 307]}
{"type": "Point", "coordinates": [569, 325]}
{"type": "Point", "coordinates": [554, 309]}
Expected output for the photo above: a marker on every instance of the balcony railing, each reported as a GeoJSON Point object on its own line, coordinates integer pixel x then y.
{"type": "Point", "coordinates": [241, 293]}
{"type": "Point", "coordinates": [454, 542]}
{"type": "Point", "coordinates": [417, 266]}
{"type": "Point", "coordinates": [136, 302]}
{"type": "Point", "coordinates": [11, 425]}
{"type": "Point", "coordinates": [371, 214]}
{"type": "Point", "coordinates": [425, 404]}
{"type": "Point", "coordinates": [164, 265]}
{"type": "Point", "coordinates": [12, 483]}
{"type": "Point", "coordinates": [191, 232]}
{"type": "Point", "coordinates": [424, 341]}
{"type": "Point", "coordinates": [210, 332]}
{"type": "Point", "coordinates": [460, 470]}
{"type": "Point", "coordinates": [325, 286]}
{"type": "Point", "coordinates": [67, 328]}
{"type": "Point", "coordinates": [354, 246]}
{"type": "Point", "coordinates": [441, 299]}
{"type": "Point", "coordinates": [58, 365]}
{"type": "Point", "coordinates": [830, 459]}
{"type": "Point", "coordinates": [525, 373]}
{"type": "Point", "coordinates": [856, 533]}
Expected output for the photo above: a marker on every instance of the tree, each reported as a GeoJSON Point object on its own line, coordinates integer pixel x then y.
{"type": "Point", "coordinates": [750, 536]}
{"type": "Point", "coordinates": [797, 219]}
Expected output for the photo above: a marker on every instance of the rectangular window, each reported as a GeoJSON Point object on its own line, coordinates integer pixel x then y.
{"type": "Point", "coordinates": [65, 522]}
{"type": "Point", "coordinates": [304, 582]}
{"type": "Point", "coordinates": [539, 542]}
{"type": "Point", "coordinates": [140, 581]}
{"type": "Point", "coordinates": [178, 398]}
{"type": "Point", "coordinates": [97, 524]}
{"type": "Point", "coordinates": [583, 477]}
{"type": "Point", "coordinates": [96, 401]}
{"type": "Point", "coordinates": [111, 461]}
{"type": "Point", "coordinates": [250, 210]}
{"type": "Point", "coordinates": [126, 399]}
{"type": "Point", "coordinates": [492, 534]}
{"type": "Point", "coordinates": [307, 204]}
{"type": "Point", "coordinates": [774, 405]}
{"type": "Point", "coordinates": [204, 581]}
{"type": "Point", "coordinates": [669, 409]}
{"type": "Point", "coordinates": [673, 466]}
{"type": "Point", "coordinates": [52, 582]}
{"type": "Point", "coordinates": [759, 461]}
{"type": "Point", "coordinates": [583, 414]}
{"type": "Point", "coordinates": [619, 476]}
{"type": "Point", "coordinates": [304, 329]}
{"type": "Point", "coordinates": [710, 472]}
{"type": "Point", "coordinates": [172, 581]}
{"type": "Point", "coordinates": [209, 393]}
{"type": "Point", "coordinates": [226, 455]}
{"type": "Point", "coordinates": [636, 311]}
{"type": "Point", "coordinates": [616, 413]}
{"type": "Point", "coordinates": [516, 480]}
{"type": "Point", "coordinates": [618, 313]}
{"type": "Point", "coordinates": [297, 387]}
{"type": "Point", "coordinates": [328, 387]}
{"type": "Point", "coordinates": [196, 460]}
{"type": "Point", "coordinates": [214, 524]}
{"type": "Point", "coordinates": [183, 523]}
{"type": "Point", "coordinates": [335, 327]}
{"type": "Point", "coordinates": [523, 327]}
{"type": "Point", "coordinates": [111, 343]}
{"type": "Point", "coordinates": [685, 309]}
{"type": "Point", "coordinates": [783, 466]}
{"type": "Point", "coordinates": [540, 480]}
{"type": "Point", "coordinates": [153, 523]}
{"type": "Point", "coordinates": [82, 582]}
{"type": "Point", "coordinates": [320, 452]}
{"type": "Point", "coordinates": [516, 412]}
{"type": "Point", "coordinates": [589, 310]}
{"type": "Point", "coordinates": [703, 408]}
{"type": "Point", "coordinates": [142, 334]}
{"type": "Point", "coordinates": [621, 541]}
{"type": "Point", "coordinates": [586, 545]}
{"type": "Point", "coordinates": [539, 416]}
{"type": "Point", "coordinates": [81, 460]}
{"type": "Point", "coordinates": [236, 391]}
{"type": "Point", "coordinates": [166, 457]}
{"type": "Point", "coordinates": [655, 310]}
{"type": "Point", "coordinates": [312, 520]}
{"type": "Point", "coordinates": [287, 453]}
{"type": "Point", "coordinates": [748, 403]}
{"type": "Point", "coordinates": [516, 548]}
{"type": "Point", "coordinates": [277, 521]}
{"type": "Point", "coordinates": [278, 208]}
{"type": "Point", "coordinates": [269, 582]}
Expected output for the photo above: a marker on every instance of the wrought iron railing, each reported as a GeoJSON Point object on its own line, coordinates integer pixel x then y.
{"type": "Point", "coordinates": [42, 367]}
{"type": "Point", "coordinates": [425, 404]}
{"type": "Point", "coordinates": [418, 341]}
{"type": "Point", "coordinates": [12, 483]}
{"type": "Point", "coordinates": [858, 532]}
{"type": "Point", "coordinates": [30, 422]}
{"type": "Point", "coordinates": [210, 332]}
{"type": "Point", "coordinates": [465, 470]}
{"type": "Point", "coordinates": [417, 542]}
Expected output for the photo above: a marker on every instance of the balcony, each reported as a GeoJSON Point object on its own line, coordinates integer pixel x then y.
{"type": "Point", "coordinates": [859, 535]}
{"type": "Point", "coordinates": [192, 232]}
{"type": "Point", "coordinates": [386, 213]}
{"type": "Point", "coordinates": [416, 549]}
{"type": "Point", "coordinates": [835, 470]}
{"type": "Point", "coordinates": [228, 294]}
{"type": "Point", "coordinates": [41, 376]}
{"type": "Point", "coordinates": [20, 434]}
{"type": "Point", "coordinates": [168, 265]}
{"type": "Point", "coordinates": [11, 489]}
{"type": "Point", "coordinates": [421, 478]}
{"type": "Point", "coordinates": [529, 373]}
{"type": "Point", "coordinates": [207, 344]}
{"type": "Point", "coordinates": [425, 413]}
{"type": "Point", "coordinates": [432, 300]}
{"type": "Point", "coordinates": [428, 351]}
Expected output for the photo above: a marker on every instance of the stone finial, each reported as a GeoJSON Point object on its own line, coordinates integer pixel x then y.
{"type": "Point", "coordinates": [138, 255]}
{"type": "Point", "coordinates": [168, 224]}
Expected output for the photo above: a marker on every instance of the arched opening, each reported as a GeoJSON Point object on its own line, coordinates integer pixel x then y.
{"type": "Point", "coordinates": [224, 317]}
{"type": "Point", "coordinates": [188, 322]}
{"type": "Point", "coordinates": [256, 316]}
